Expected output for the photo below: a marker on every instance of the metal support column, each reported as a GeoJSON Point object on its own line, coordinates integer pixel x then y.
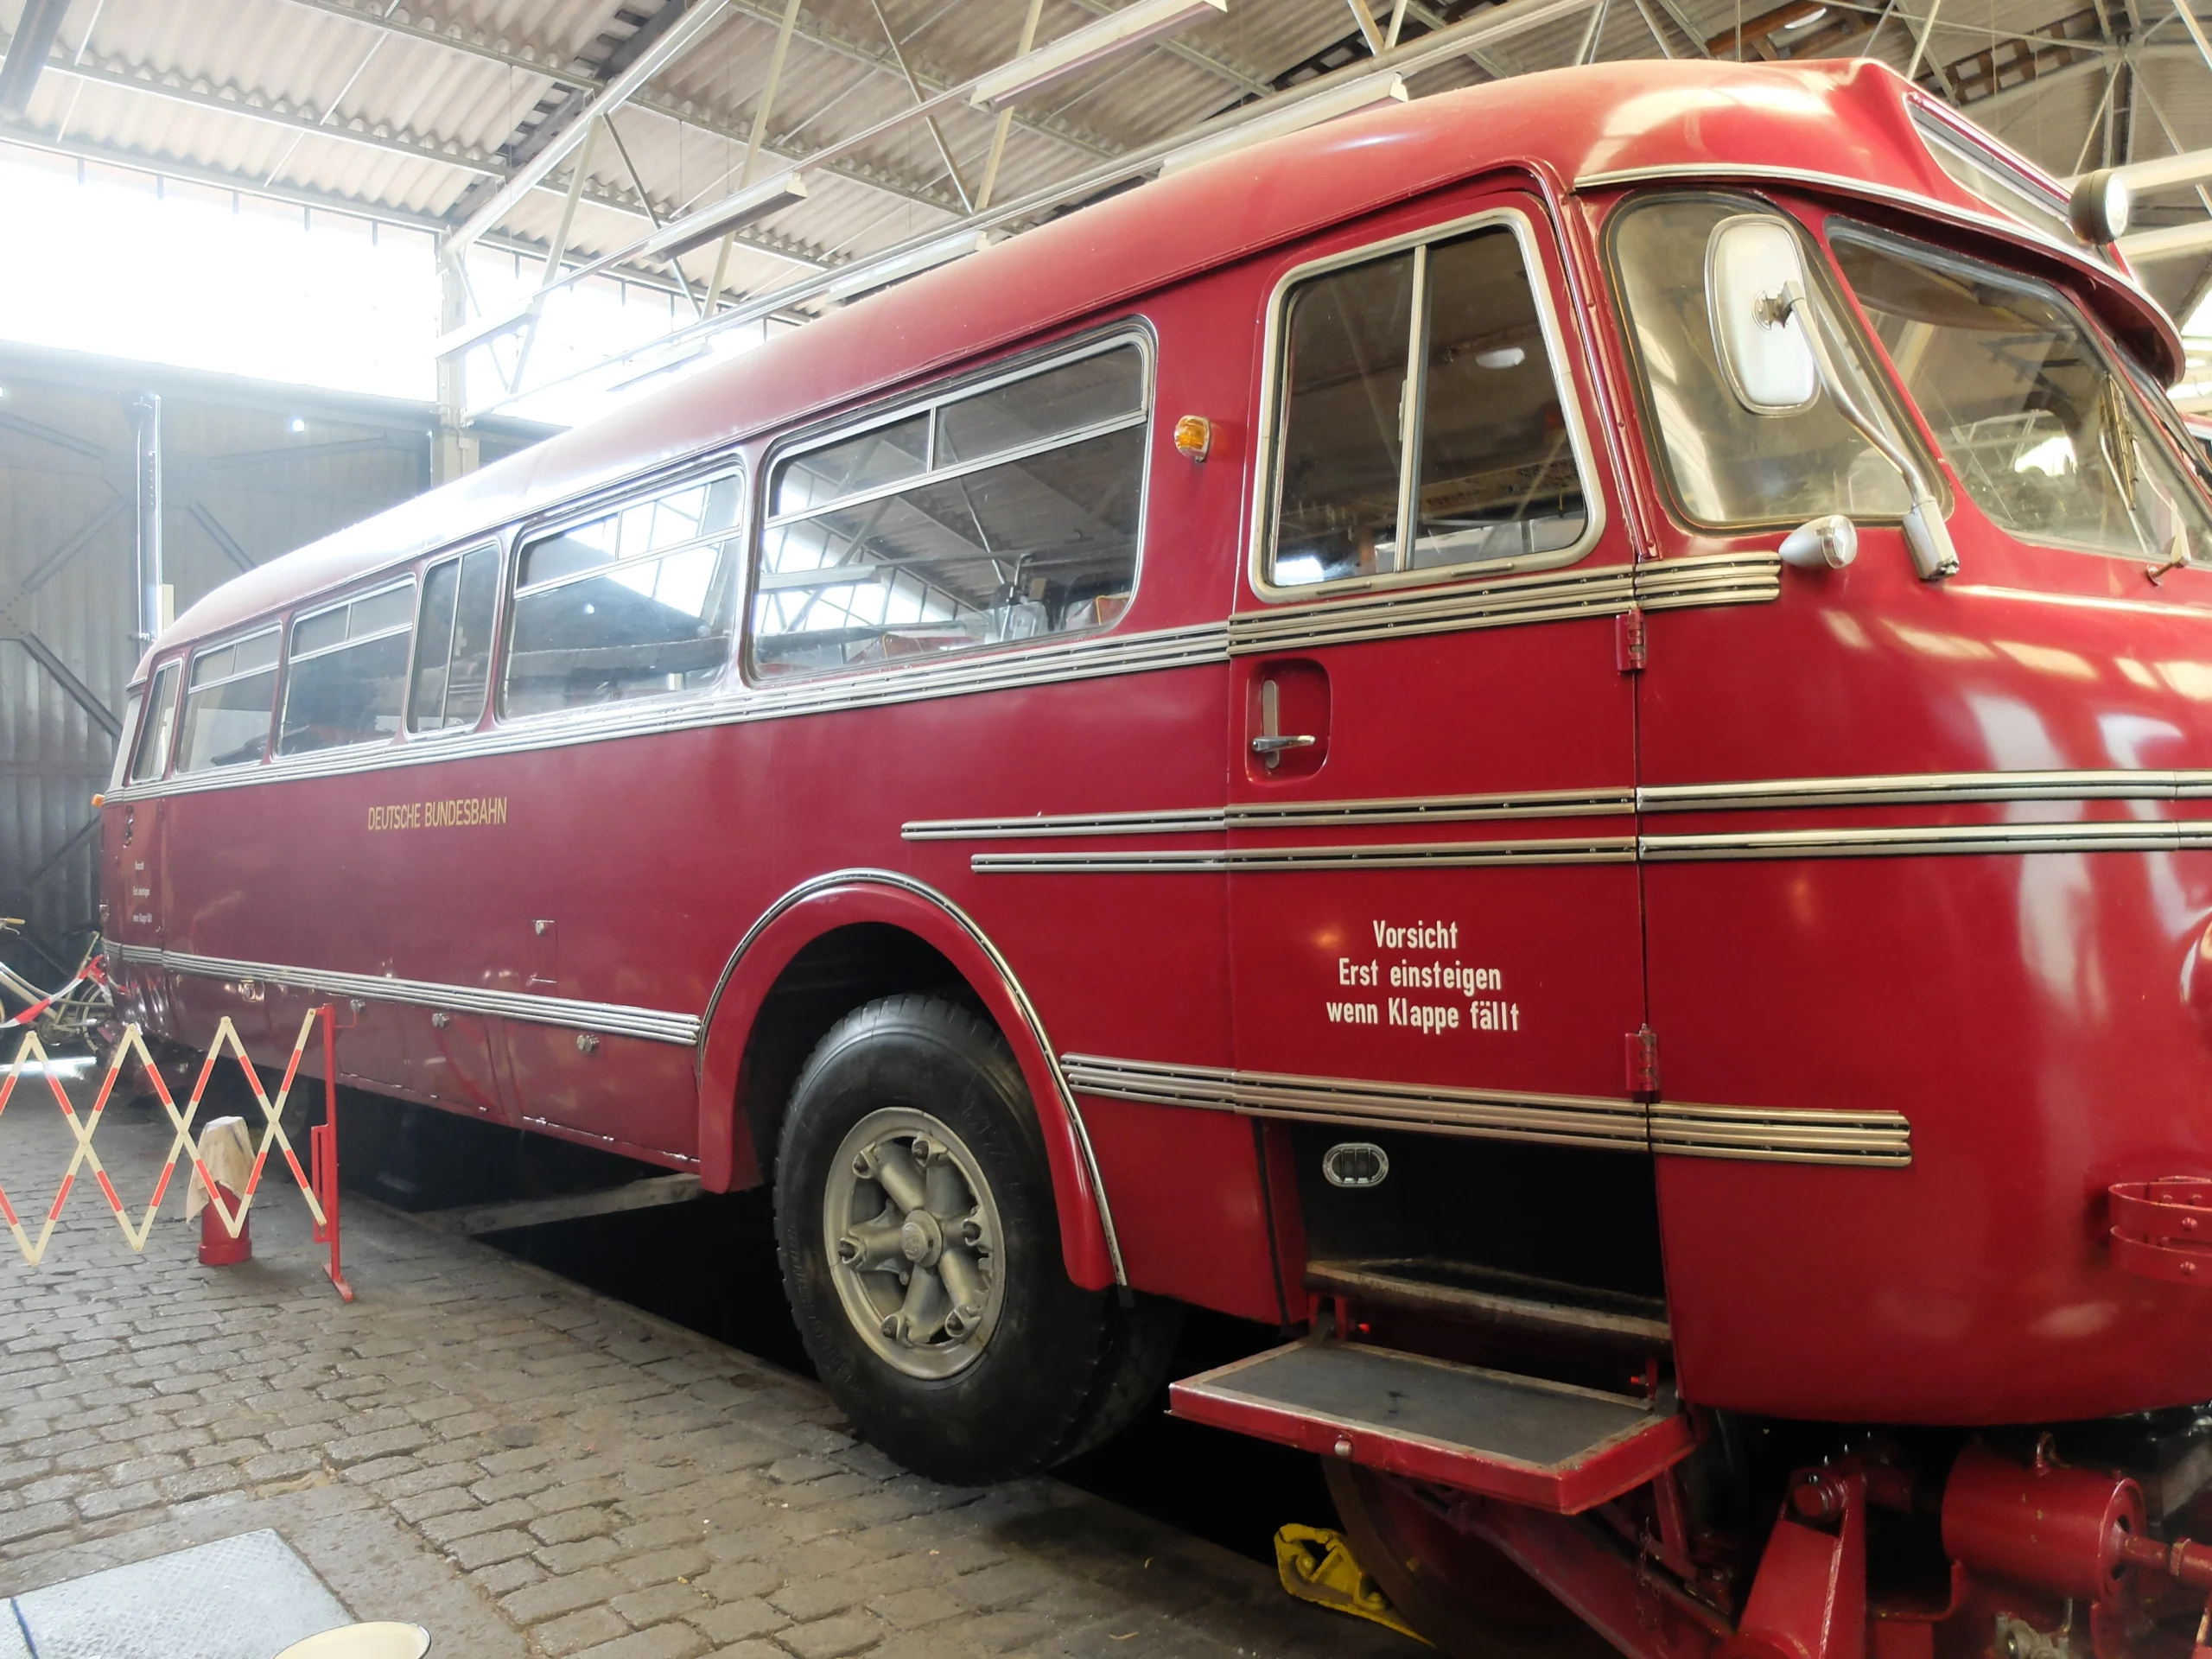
{"type": "Point", "coordinates": [454, 453]}
{"type": "Point", "coordinates": [153, 612]}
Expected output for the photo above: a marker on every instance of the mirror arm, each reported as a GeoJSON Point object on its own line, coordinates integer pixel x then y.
{"type": "Point", "coordinates": [1925, 532]}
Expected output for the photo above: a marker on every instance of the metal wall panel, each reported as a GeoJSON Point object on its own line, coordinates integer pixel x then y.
{"type": "Point", "coordinates": [240, 486]}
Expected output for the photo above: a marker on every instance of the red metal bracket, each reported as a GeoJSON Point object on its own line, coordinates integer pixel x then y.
{"type": "Point", "coordinates": [1642, 1050]}
{"type": "Point", "coordinates": [1809, 1598]}
{"type": "Point", "coordinates": [1631, 647]}
{"type": "Point", "coordinates": [2162, 1229]}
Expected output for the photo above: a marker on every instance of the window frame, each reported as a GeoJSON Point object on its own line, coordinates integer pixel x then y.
{"type": "Point", "coordinates": [134, 711]}
{"type": "Point", "coordinates": [519, 539]}
{"type": "Point", "coordinates": [1266, 495]}
{"type": "Point", "coordinates": [172, 665]}
{"type": "Point", "coordinates": [822, 433]}
{"type": "Point", "coordinates": [276, 669]}
{"type": "Point", "coordinates": [495, 657]}
{"type": "Point", "coordinates": [2116, 362]}
{"type": "Point", "coordinates": [1874, 369]}
{"type": "Point", "coordinates": [323, 607]}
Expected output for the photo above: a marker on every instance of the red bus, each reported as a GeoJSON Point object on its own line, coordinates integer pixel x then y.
{"type": "Point", "coordinates": [1556, 739]}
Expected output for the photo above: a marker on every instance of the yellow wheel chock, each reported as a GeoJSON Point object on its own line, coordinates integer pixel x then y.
{"type": "Point", "coordinates": [1317, 1565]}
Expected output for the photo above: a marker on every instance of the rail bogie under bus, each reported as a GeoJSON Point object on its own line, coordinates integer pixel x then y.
{"type": "Point", "coordinates": [1556, 739]}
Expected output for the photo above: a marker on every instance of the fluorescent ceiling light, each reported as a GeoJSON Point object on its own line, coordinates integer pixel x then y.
{"type": "Point", "coordinates": [680, 236]}
{"type": "Point", "coordinates": [868, 275]}
{"type": "Point", "coordinates": [1368, 93]}
{"type": "Point", "coordinates": [1071, 54]}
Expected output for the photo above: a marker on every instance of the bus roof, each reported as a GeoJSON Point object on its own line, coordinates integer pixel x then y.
{"type": "Point", "coordinates": [1850, 123]}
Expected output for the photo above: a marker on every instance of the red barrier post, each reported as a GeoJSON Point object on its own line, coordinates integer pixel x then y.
{"type": "Point", "coordinates": [322, 1152]}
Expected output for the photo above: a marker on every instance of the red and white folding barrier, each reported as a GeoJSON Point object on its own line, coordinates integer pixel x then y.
{"type": "Point", "coordinates": [319, 1188]}
{"type": "Point", "coordinates": [94, 974]}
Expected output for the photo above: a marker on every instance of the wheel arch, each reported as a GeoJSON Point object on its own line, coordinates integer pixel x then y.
{"type": "Point", "coordinates": [736, 1143]}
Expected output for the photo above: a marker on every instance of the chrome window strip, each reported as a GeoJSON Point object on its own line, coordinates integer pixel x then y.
{"type": "Point", "coordinates": [627, 561]}
{"type": "Point", "coordinates": [194, 688]}
{"type": "Point", "coordinates": [1786, 1134]}
{"type": "Point", "coordinates": [299, 657]}
{"type": "Point", "coordinates": [1036, 446]}
{"type": "Point", "coordinates": [405, 582]}
{"type": "Point", "coordinates": [830, 434]}
{"type": "Point", "coordinates": [653, 1025]}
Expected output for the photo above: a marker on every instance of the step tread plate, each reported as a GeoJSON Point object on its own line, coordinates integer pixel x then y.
{"type": "Point", "coordinates": [1524, 1439]}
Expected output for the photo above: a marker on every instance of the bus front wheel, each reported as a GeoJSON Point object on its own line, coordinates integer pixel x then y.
{"type": "Point", "coordinates": [920, 1248]}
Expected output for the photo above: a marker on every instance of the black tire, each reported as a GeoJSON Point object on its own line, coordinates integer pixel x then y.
{"type": "Point", "coordinates": [1139, 1352]}
{"type": "Point", "coordinates": [1465, 1596]}
{"type": "Point", "coordinates": [1021, 1398]}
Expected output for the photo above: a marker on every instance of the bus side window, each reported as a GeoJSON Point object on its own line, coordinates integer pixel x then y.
{"type": "Point", "coordinates": [346, 672]}
{"type": "Point", "coordinates": [1005, 513]}
{"type": "Point", "coordinates": [635, 603]}
{"type": "Point", "coordinates": [124, 750]}
{"type": "Point", "coordinates": [1495, 477]}
{"type": "Point", "coordinates": [452, 652]}
{"type": "Point", "coordinates": [227, 706]}
{"type": "Point", "coordinates": [153, 751]}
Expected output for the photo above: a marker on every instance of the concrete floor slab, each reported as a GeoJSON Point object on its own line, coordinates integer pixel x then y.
{"type": "Point", "coordinates": [246, 1596]}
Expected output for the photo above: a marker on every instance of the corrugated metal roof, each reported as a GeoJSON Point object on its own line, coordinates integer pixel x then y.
{"type": "Point", "coordinates": [421, 107]}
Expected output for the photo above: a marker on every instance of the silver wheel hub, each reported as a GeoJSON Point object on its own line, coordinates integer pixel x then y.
{"type": "Point", "coordinates": [912, 1232]}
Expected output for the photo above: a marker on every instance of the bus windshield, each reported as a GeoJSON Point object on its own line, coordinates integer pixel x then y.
{"type": "Point", "coordinates": [2045, 429]}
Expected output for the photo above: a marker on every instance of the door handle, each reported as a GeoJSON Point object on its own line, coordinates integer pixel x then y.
{"type": "Point", "coordinates": [1274, 743]}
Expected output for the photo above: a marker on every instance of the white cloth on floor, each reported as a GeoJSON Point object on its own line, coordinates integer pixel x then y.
{"type": "Point", "coordinates": [226, 1150]}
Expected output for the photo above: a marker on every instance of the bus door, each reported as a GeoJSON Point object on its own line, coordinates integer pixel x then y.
{"type": "Point", "coordinates": [1436, 957]}
{"type": "Point", "coordinates": [134, 879]}
{"type": "Point", "coordinates": [1916, 912]}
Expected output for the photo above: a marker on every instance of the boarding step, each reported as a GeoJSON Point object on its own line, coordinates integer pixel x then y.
{"type": "Point", "coordinates": [1526, 1439]}
{"type": "Point", "coordinates": [1511, 1301]}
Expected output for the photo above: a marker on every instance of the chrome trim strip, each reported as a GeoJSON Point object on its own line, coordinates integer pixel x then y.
{"type": "Point", "coordinates": [1550, 596]}
{"type": "Point", "coordinates": [1284, 815]}
{"type": "Point", "coordinates": [1762, 1134]}
{"type": "Point", "coordinates": [2134, 835]}
{"type": "Point", "coordinates": [1440, 854]}
{"type": "Point", "coordinates": [1709, 579]}
{"type": "Point", "coordinates": [1030, 1017]}
{"type": "Point", "coordinates": [1753, 578]}
{"type": "Point", "coordinates": [1566, 596]}
{"type": "Point", "coordinates": [1922, 789]}
{"type": "Point", "coordinates": [614, 1019]}
{"type": "Point", "coordinates": [1794, 1135]}
{"type": "Point", "coordinates": [1557, 1120]}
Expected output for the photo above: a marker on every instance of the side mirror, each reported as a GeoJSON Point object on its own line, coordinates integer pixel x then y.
{"type": "Point", "coordinates": [1752, 266]}
{"type": "Point", "coordinates": [1775, 362]}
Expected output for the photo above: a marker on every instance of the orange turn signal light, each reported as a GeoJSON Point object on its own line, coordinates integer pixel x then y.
{"type": "Point", "coordinates": [99, 801]}
{"type": "Point", "coordinates": [1194, 436]}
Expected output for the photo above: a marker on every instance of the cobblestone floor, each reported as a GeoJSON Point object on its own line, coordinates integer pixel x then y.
{"type": "Point", "coordinates": [525, 1467]}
